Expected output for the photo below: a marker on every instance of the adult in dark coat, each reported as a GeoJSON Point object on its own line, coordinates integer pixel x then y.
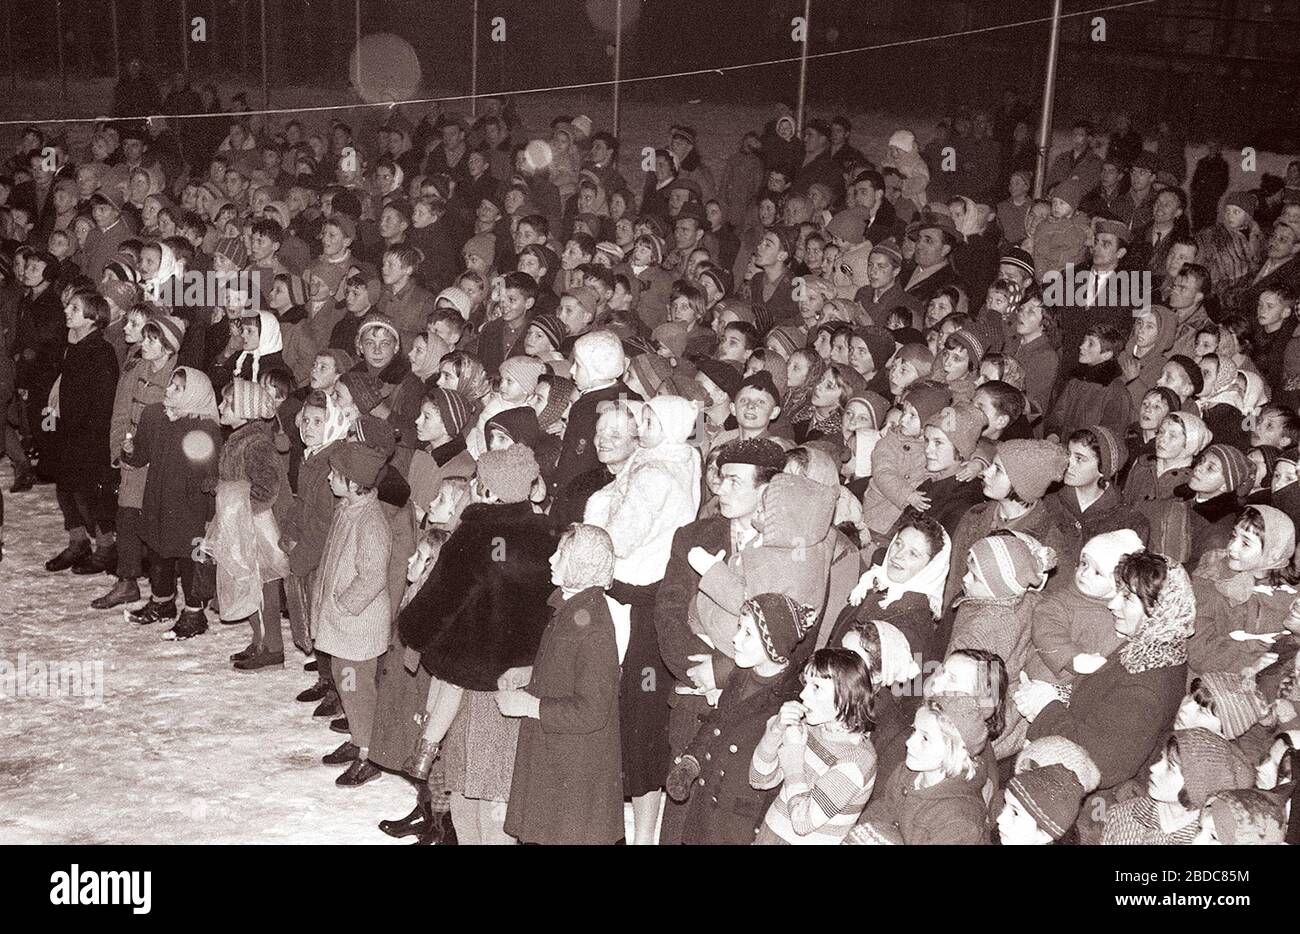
{"type": "Point", "coordinates": [476, 617]}
{"type": "Point", "coordinates": [39, 338]}
{"type": "Point", "coordinates": [491, 340]}
{"type": "Point", "coordinates": [579, 452]}
{"type": "Point", "coordinates": [1209, 182]}
{"type": "Point", "coordinates": [567, 786]}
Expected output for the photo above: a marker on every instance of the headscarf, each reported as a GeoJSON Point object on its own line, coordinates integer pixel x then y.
{"type": "Point", "coordinates": [676, 417]}
{"type": "Point", "coordinates": [1256, 396]}
{"type": "Point", "coordinates": [1161, 639]}
{"type": "Point", "coordinates": [196, 399]}
{"type": "Point", "coordinates": [1198, 434]}
{"type": "Point", "coordinates": [797, 398]}
{"type": "Point", "coordinates": [334, 429]}
{"type": "Point", "coordinates": [1278, 548]}
{"type": "Point", "coordinates": [976, 218]}
{"type": "Point", "coordinates": [1166, 331]}
{"type": "Point", "coordinates": [167, 265]}
{"type": "Point", "coordinates": [897, 662]}
{"type": "Point", "coordinates": [929, 582]}
{"type": "Point", "coordinates": [268, 342]}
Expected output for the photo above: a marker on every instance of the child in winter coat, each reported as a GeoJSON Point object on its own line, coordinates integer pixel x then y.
{"type": "Point", "coordinates": [181, 440]}
{"type": "Point", "coordinates": [898, 462]}
{"type": "Point", "coordinates": [1063, 238]}
{"type": "Point", "coordinates": [260, 333]}
{"type": "Point", "coordinates": [244, 535]}
{"type": "Point", "coordinates": [959, 363]}
{"type": "Point", "coordinates": [1094, 393]}
{"type": "Point", "coordinates": [1034, 346]}
{"type": "Point", "coordinates": [1040, 806]}
{"type": "Point", "coordinates": [567, 786]}
{"type": "Point", "coordinates": [818, 749]}
{"type": "Point", "coordinates": [1073, 631]}
{"type": "Point", "coordinates": [350, 605]}
{"type": "Point", "coordinates": [934, 796]}
{"type": "Point", "coordinates": [1154, 477]}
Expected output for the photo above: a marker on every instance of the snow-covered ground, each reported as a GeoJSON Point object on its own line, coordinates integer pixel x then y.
{"type": "Point", "coordinates": [179, 748]}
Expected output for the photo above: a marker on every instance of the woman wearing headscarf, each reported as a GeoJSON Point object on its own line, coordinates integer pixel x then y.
{"type": "Point", "coordinates": [1143, 357]}
{"type": "Point", "coordinates": [1231, 249]}
{"type": "Point", "coordinates": [1121, 711]}
{"type": "Point", "coordinates": [1244, 594]}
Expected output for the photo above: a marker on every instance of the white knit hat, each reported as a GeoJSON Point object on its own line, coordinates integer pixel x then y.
{"type": "Point", "coordinates": [601, 352]}
{"type": "Point", "coordinates": [904, 140]}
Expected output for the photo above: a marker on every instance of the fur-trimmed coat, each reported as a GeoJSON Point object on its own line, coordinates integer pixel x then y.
{"type": "Point", "coordinates": [483, 608]}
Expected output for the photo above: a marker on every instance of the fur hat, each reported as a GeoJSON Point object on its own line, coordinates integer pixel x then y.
{"type": "Point", "coordinates": [962, 423]}
{"type": "Point", "coordinates": [1209, 764]}
{"type": "Point", "coordinates": [1247, 816]}
{"type": "Point", "coordinates": [509, 474]}
{"type": "Point", "coordinates": [453, 408]}
{"type": "Point", "coordinates": [781, 623]}
{"type": "Point", "coordinates": [520, 423]}
{"type": "Point", "coordinates": [928, 398]}
{"type": "Point", "coordinates": [523, 370]}
{"type": "Point", "coordinates": [1242, 199]}
{"type": "Point", "coordinates": [358, 462]}
{"type": "Point", "coordinates": [1012, 564]}
{"type": "Point", "coordinates": [1113, 451]}
{"type": "Point", "coordinates": [1033, 466]}
{"type": "Point", "coordinates": [601, 352]}
{"type": "Point", "coordinates": [1052, 795]}
{"type": "Point", "coordinates": [170, 329]}
{"type": "Point", "coordinates": [1237, 701]}
{"type": "Point", "coordinates": [249, 400]}
{"type": "Point", "coordinates": [1057, 750]}
{"type": "Point", "coordinates": [552, 328]}
{"type": "Point", "coordinates": [586, 558]}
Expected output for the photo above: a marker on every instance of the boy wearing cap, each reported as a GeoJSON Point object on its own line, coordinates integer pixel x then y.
{"type": "Point", "coordinates": [350, 607]}
{"type": "Point", "coordinates": [108, 234]}
{"type": "Point", "coordinates": [883, 292]}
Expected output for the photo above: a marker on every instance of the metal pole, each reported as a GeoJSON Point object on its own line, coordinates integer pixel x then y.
{"type": "Point", "coordinates": [58, 28]}
{"type": "Point", "coordinates": [1049, 94]}
{"type": "Point", "coordinates": [9, 44]}
{"type": "Point", "coordinates": [618, 60]}
{"type": "Point", "coordinates": [803, 62]}
{"type": "Point", "coordinates": [357, 30]}
{"type": "Point", "coordinates": [117, 51]}
{"type": "Point", "coordinates": [266, 88]}
{"type": "Point", "coordinates": [185, 38]}
{"type": "Point", "coordinates": [473, 65]}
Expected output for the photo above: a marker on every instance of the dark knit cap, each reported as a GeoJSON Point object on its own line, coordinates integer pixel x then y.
{"type": "Point", "coordinates": [1193, 371]}
{"type": "Point", "coordinates": [1016, 256]}
{"type": "Point", "coordinates": [880, 343]}
{"type": "Point", "coordinates": [453, 408]}
{"type": "Point", "coordinates": [377, 433]}
{"type": "Point", "coordinates": [927, 398]}
{"type": "Point", "coordinates": [725, 376]}
{"type": "Point", "coordinates": [1114, 452]}
{"type": "Point", "coordinates": [358, 462]}
{"type": "Point", "coordinates": [552, 328]}
{"type": "Point", "coordinates": [760, 452]}
{"type": "Point", "coordinates": [781, 623]}
{"type": "Point", "coordinates": [762, 379]}
{"type": "Point", "coordinates": [520, 423]}
{"type": "Point", "coordinates": [557, 401]}
{"type": "Point", "coordinates": [1051, 795]}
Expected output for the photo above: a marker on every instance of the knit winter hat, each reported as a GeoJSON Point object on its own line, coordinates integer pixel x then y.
{"type": "Point", "coordinates": [1242, 199]}
{"type": "Point", "coordinates": [364, 388]}
{"type": "Point", "coordinates": [969, 714]}
{"type": "Point", "coordinates": [586, 297]}
{"type": "Point", "coordinates": [1106, 549]}
{"type": "Point", "coordinates": [122, 294]}
{"type": "Point", "coordinates": [557, 401]}
{"type": "Point", "coordinates": [962, 423]}
{"type": "Point", "coordinates": [787, 339]}
{"type": "Point", "coordinates": [342, 359]}
{"type": "Point", "coordinates": [672, 334]}
{"type": "Point", "coordinates": [904, 140]}
{"type": "Point", "coordinates": [1033, 466]}
{"type": "Point", "coordinates": [552, 329]}
{"type": "Point", "coordinates": [742, 309]}
{"type": "Point", "coordinates": [917, 354]}
{"type": "Point", "coordinates": [1209, 764]}
{"type": "Point", "coordinates": [1198, 433]}
{"type": "Point", "coordinates": [676, 417]}
{"type": "Point", "coordinates": [376, 319]}
{"type": "Point", "coordinates": [297, 290]}
{"type": "Point", "coordinates": [484, 246]}
{"type": "Point", "coordinates": [1069, 191]}
{"type": "Point", "coordinates": [453, 408]}
{"type": "Point", "coordinates": [358, 462]}
{"type": "Point", "coordinates": [1189, 366]}
{"type": "Point", "coordinates": [929, 399]}
{"type": "Point", "coordinates": [520, 423]}
{"type": "Point", "coordinates": [847, 226]}
{"type": "Point", "coordinates": [897, 663]}
{"type": "Point", "coordinates": [250, 400]}
{"type": "Point", "coordinates": [797, 511]}
{"type": "Point", "coordinates": [378, 433]}
{"type": "Point", "coordinates": [1247, 817]}
{"type": "Point", "coordinates": [1012, 564]}
{"type": "Point", "coordinates": [1052, 795]}
{"type": "Point", "coordinates": [1057, 750]}
{"type": "Point", "coordinates": [1113, 451]}
{"type": "Point", "coordinates": [171, 330]}
{"type": "Point", "coordinates": [523, 370]}
{"type": "Point", "coordinates": [612, 250]}
{"type": "Point", "coordinates": [723, 282]}
{"type": "Point", "coordinates": [653, 372]}
{"type": "Point", "coordinates": [880, 344]}
{"type": "Point", "coordinates": [723, 375]}
{"type": "Point", "coordinates": [586, 558]}
{"type": "Point", "coordinates": [601, 352]}
{"type": "Point", "coordinates": [876, 403]}
{"type": "Point", "coordinates": [759, 452]}
{"type": "Point", "coordinates": [1238, 473]}
{"type": "Point", "coordinates": [232, 248]}
{"type": "Point", "coordinates": [967, 340]}
{"type": "Point", "coordinates": [329, 273]}
{"type": "Point", "coordinates": [457, 298]}
{"type": "Point", "coordinates": [509, 474]}
{"type": "Point", "coordinates": [1237, 701]}
{"type": "Point", "coordinates": [781, 623]}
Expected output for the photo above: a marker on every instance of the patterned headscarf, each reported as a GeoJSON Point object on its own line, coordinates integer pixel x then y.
{"type": "Point", "coordinates": [1161, 640]}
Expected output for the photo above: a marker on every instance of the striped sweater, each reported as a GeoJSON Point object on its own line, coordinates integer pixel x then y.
{"type": "Point", "coordinates": [821, 804]}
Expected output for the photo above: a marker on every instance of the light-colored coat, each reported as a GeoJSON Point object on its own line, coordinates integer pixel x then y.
{"type": "Point", "coordinates": [350, 611]}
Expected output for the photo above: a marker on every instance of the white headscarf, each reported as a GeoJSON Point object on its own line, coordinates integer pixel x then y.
{"type": "Point", "coordinates": [268, 342]}
{"type": "Point", "coordinates": [929, 582]}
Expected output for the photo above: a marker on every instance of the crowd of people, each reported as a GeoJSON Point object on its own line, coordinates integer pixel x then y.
{"type": "Point", "coordinates": [774, 494]}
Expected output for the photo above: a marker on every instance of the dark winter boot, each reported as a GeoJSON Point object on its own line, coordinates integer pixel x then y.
{"type": "Point", "coordinates": [104, 560]}
{"type": "Point", "coordinates": [193, 622]}
{"type": "Point", "coordinates": [330, 706]}
{"type": "Point", "coordinates": [415, 823]}
{"type": "Point", "coordinates": [153, 612]}
{"type": "Point", "coordinates": [260, 660]}
{"type": "Point", "coordinates": [419, 762]}
{"type": "Point", "coordinates": [347, 752]}
{"type": "Point", "coordinates": [358, 773]}
{"type": "Point", "coordinates": [126, 590]}
{"type": "Point", "coordinates": [77, 551]}
{"type": "Point", "coordinates": [314, 694]}
{"type": "Point", "coordinates": [440, 832]}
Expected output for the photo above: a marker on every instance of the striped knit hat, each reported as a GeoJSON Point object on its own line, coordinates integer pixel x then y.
{"type": "Point", "coordinates": [452, 407]}
{"type": "Point", "coordinates": [523, 370]}
{"type": "Point", "coordinates": [1237, 701]}
{"type": "Point", "coordinates": [552, 328]}
{"type": "Point", "coordinates": [170, 330]}
{"type": "Point", "coordinates": [781, 623]}
{"type": "Point", "coordinates": [1012, 564]}
{"type": "Point", "coordinates": [1057, 750]}
{"type": "Point", "coordinates": [1113, 451]}
{"type": "Point", "coordinates": [968, 341]}
{"type": "Point", "coordinates": [1051, 795]}
{"type": "Point", "coordinates": [1238, 475]}
{"type": "Point", "coordinates": [249, 400]}
{"type": "Point", "coordinates": [1210, 763]}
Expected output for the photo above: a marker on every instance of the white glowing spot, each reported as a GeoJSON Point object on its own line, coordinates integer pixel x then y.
{"type": "Point", "coordinates": [538, 153]}
{"type": "Point", "coordinates": [602, 14]}
{"type": "Point", "coordinates": [198, 446]}
{"type": "Point", "coordinates": [384, 67]}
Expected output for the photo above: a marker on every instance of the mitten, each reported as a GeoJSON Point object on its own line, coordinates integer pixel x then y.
{"type": "Point", "coordinates": [681, 778]}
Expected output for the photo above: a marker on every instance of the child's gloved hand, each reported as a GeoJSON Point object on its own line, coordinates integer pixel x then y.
{"type": "Point", "coordinates": [702, 561]}
{"type": "Point", "coordinates": [1085, 663]}
{"type": "Point", "coordinates": [681, 778]}
{"type": "Point", "coordinates": [1032, 696]}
